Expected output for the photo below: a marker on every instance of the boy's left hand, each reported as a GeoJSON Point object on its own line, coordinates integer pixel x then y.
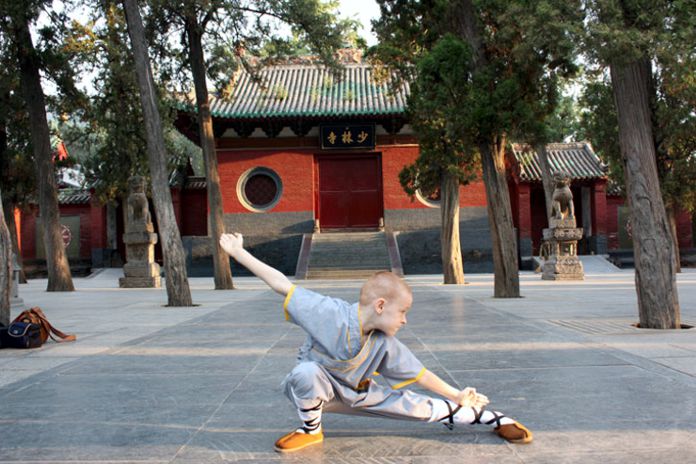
{"type": "Point", "coordinates": [231, 243]}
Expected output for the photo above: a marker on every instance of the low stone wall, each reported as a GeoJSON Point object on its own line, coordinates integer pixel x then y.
{"type": "Point", "coordinates": [278, 251]}
{"type": "Point", "coordinates": [419, 239]}
{"type": "Point", "coordinates": [421, 253]}
{"type": "Point", "coordinates": [276, 239]}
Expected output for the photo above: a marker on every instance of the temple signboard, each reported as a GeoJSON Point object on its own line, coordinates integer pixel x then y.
{"type": "Point", "coordinates": [347, 136]}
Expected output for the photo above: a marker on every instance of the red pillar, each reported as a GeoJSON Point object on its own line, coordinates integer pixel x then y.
{"type": "Point", "coordinates": [524, 218]}
{"type": "Point", "coordinates": [176, 203]}
{"type": "Point", "coordinates": [684, 232]}
{"type": "Point", "coordinates": [599, 216]}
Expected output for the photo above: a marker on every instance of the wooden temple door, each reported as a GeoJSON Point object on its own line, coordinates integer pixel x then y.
{"type": "Point", "coordinates": [349, 193]}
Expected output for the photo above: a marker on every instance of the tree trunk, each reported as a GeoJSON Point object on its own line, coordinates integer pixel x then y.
{"type": "Point", "coordinates": [221, 262]}
{"type": "Point", "coordinates": [452, 266]}
{"type": "Point", "coordinates": [546, 178]}
{"type": "Point", "coordinates": [507, 279]}
{"type": "Point", "coordinates": [59, 277]}
{"type": "Point", "coordinates": [672, 219]}
{"type": "Point", "coordinates": [12, 226]}
{"type": "Point", "coordinates": [506, 267]}
{"type": "Point", "coordinates": [178, 291]}
{"type": "Point", "coordinates": [5, 269]}
{"type": "Point", "coordinates": [658, 303]}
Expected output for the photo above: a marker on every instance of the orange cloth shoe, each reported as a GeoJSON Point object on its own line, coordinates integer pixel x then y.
{"type": "Point", "coordinates": [515, 433]}
{"type": "Point", "coordinates": [295, 441]}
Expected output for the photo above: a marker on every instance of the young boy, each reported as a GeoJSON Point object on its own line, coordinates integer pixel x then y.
{"type": "Point", "coordinates": [348, 345]}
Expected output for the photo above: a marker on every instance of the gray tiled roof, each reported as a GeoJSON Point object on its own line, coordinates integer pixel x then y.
{"type": "Point", "coordinates": [576, 159]}
{"type": "Point", "coordinates": [196, 183]}
{"type": "Point", "coordinates": [73, 196]}
{"type": "Point", "coordinates": [309, 90]}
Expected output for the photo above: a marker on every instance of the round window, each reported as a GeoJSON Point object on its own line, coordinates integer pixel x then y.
{"type": "Point", "coordinates": [259, 189]}
{"type": "Point", "coordinates": [432, 200]}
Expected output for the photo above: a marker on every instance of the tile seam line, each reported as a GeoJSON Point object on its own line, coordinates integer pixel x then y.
{"type": "Point", "coordinates": [202, 426]}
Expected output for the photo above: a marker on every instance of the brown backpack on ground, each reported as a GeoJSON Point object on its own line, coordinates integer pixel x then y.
{"type": "Point", "coordinates": [36, 316]}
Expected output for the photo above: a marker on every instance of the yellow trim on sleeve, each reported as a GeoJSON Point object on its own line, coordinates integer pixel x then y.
{"type": "Point", "coordinates": [360, 325]}
{"type": "Point", "coordinates": [409, 381]}
{"type": "Point", "coordinates": [287, 302]}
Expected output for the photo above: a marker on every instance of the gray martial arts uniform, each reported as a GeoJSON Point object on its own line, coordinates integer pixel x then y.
{"type": "Point", "coordinates": [336, 362]}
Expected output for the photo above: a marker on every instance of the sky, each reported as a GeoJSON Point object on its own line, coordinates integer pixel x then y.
{"type": "Point", "coordinates": [363, 11]}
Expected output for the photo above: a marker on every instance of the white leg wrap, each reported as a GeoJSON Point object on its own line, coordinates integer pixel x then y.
{"type": "Point", "coordinates": [442, 412]}
{"type": "Point", "coordinates": [310, 416]}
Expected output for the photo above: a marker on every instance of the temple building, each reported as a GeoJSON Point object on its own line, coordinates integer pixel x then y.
{"type": "Point", "coordinates": [304, 156]}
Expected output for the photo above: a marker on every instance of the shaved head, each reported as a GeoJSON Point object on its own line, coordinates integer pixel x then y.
{"type": "Point", "coordinates": [385, 285]}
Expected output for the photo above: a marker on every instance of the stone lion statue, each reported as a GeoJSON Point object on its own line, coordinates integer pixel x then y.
{"type": "Point", "coordinates": [562, 200]}
{"type": "Point", "coordinates": [138, 209]}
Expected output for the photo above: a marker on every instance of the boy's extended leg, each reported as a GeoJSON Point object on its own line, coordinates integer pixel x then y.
{"type": "Point", "coordinates": [449, 414]}
{"type": "Point", "coordinates": [405, 404]}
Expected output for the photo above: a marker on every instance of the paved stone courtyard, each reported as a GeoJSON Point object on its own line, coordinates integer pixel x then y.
{"type": "Point", "coordinates": [145, 383]}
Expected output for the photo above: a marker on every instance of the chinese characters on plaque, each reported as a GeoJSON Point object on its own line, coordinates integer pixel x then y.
{"type": "Point", "coordinates": [347, 136]}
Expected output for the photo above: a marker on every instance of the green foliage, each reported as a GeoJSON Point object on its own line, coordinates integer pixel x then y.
{"type": "Point", "coordinates": [108, 135]}
{"type": "Point", "coordinates": [17, 166]}
{"type": "Point", "coordinates": [509, 91]}
{"type": "Point", "coordinates": [664, 32]}
{"type": "Point", "coordinates": [530, 50]}
{"type": "Point", "coordinates": [600, 126]}
{"type": "Point", "coordinates": [438, 112]}
{"type": "Point", "coordinates": [564, 123]}
{"type": "Point", "coordinates": [623, 31]}
{"type": "Point", "coordinates": [17, 178]}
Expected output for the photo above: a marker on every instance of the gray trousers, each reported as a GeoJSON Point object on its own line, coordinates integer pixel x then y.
{"type": "Point", "coordinates": [309, 382]}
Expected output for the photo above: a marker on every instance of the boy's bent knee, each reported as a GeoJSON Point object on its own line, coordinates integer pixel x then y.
{"type": "Point", "coordinates": [308, 380]}
{"type": "Point", "coordinates": [305, 373]}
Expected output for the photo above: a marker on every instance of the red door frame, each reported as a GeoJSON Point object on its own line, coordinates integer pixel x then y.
{"type": "Point", "coordinates": [347, 155]}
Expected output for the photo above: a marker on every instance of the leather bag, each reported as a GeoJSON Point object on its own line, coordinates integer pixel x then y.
{"type": "Point", "coordinates": [20, 335]}
{"type": "Point", "coordinates": [37, 317]}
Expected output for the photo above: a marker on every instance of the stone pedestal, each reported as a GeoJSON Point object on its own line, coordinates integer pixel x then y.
{"type": "Point", "coordinates": [563, 262]}
{"type": "Point", "coordinates": [140, 270]}
{"type": "Point", "coordinates": [16, 303]}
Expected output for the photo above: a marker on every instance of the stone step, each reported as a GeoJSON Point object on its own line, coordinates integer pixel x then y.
{"type": "Point", "coordinates": [348, 253]}
{"type": "Point", "coordinates": [353, 237]}
{"type": "Point", "coordinates": [353, 267]}
{"type": "Point", "coordinates": [347, 245]}
{"type": "Point", "coordinates": [349, 264]}
{"type": "Point", "coordinates": [341, 273]}
{"type": "Point", "coordinates": [354, 255]}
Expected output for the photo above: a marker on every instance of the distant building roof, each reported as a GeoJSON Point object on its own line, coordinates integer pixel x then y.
{"type": "Point", "coordinates": [306, 90]}
{"type": "Point", "coordinates": [578, 160]}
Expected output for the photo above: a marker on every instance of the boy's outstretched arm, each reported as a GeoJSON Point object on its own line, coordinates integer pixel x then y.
{"type": "Point", "coordinates": [467, 397]}
{"type": "Point", "coordinates": [233, 246]}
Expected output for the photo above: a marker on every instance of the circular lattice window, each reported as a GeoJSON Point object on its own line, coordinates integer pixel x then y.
{"type": "Point", "coordinates": [259, 189]}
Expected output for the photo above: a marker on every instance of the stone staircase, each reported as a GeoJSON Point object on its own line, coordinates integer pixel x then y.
{"type": "Point", "coordinates": [348, 255]}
